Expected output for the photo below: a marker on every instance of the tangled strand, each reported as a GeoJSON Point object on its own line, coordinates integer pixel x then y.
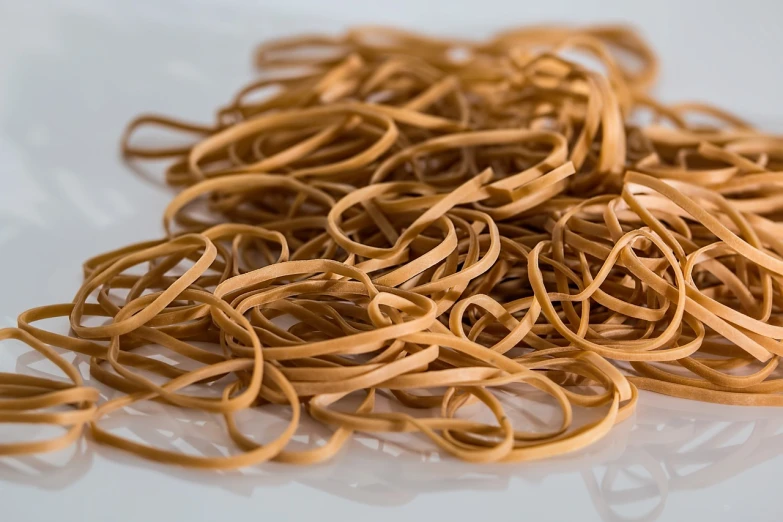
{"type": "Point", "coordinates": [440, 222]}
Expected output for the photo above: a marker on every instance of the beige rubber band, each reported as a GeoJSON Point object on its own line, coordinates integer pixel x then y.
{"type": "Point", "coordinates": [441, 222]}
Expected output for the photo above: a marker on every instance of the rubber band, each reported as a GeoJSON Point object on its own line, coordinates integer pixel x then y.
{"type": "Point", "coordinates": [443, 222]}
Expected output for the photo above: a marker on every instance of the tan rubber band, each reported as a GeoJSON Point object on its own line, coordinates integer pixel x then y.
{"type": "Point", "coordinates": [441, 223]}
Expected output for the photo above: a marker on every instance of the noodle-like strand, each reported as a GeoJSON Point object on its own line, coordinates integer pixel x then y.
{"type": "Point", "coordinates": [442, 222]}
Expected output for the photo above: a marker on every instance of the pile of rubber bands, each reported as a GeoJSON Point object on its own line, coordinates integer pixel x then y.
{"type": "Point", "coordinates": [443, 223]}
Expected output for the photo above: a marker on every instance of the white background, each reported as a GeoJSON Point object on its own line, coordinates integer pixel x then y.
{"type": "Point", "coordinates": [73, 73]}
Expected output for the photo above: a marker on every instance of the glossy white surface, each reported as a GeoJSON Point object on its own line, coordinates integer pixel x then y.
{"type": "Point", "coordinates": [72, 74]}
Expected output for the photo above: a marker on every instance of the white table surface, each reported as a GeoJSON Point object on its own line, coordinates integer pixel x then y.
{"type": "Point", "coordinates": [73, 73]}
